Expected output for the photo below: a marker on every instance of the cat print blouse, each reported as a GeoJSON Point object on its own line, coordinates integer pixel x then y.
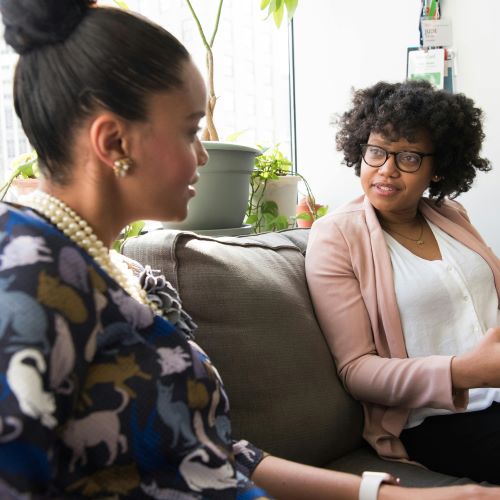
{"type": "Point", "coordinates": [99, 398]}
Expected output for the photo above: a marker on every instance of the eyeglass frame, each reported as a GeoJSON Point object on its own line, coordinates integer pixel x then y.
{"type": "Point", "coordinates": [395, 153]}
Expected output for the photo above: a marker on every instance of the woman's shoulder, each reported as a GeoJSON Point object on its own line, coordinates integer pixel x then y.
{"type": "Point", "coordinates": [451, 209]}
{"type": "Point", "coordinates": [34, 253]}
{"type": "Point", "coordinates": [345, 216]}
{"type": "Point", "coordinates": [17, 219]}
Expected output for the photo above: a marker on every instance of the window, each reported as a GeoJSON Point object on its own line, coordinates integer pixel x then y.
{"type": "Point", "coordinates": [250, 62]}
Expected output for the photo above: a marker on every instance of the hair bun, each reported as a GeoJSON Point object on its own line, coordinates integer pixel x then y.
{"type": "Point", "coordinates": [33, 23]}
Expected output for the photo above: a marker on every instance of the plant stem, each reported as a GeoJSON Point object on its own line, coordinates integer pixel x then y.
{"type": "Point", "coordinates": [216, 26]}
{"type": "Point", "coordinates": [6, 186]}
{"type": "Point", "coordinates": [210, 132]}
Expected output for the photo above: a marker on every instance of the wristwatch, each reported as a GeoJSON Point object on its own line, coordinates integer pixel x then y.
{"type": "Point", "coordinates": [371, 481]}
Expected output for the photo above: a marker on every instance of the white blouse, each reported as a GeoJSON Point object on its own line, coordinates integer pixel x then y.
{"type": "Point", "coordinates": [445, 305]}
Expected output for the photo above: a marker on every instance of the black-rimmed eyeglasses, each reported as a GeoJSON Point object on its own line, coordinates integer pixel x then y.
{"type": "Point", "coordinates": [406, 161]}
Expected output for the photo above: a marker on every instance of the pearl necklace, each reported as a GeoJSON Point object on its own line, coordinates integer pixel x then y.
{"type": "Point", "coordinates": [79, 231]}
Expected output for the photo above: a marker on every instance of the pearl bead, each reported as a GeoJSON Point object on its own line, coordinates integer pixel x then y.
{"type": "Point", "coordinates": [80, 232]}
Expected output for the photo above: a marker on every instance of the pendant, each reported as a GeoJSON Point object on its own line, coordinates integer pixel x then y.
{"type": "Point", "coordinates": [420, 242]}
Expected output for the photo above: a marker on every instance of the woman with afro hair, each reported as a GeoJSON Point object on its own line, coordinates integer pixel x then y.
{"type": "Point", "coordinates": [404, 287]}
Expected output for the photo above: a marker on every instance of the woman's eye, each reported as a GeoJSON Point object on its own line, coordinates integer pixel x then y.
{"type": "Point", "coordinates": [409, 158]}
{"type": "Point", "coordinates": [193, 133]}
{"type": "Point", "coordinates": [375, 152]}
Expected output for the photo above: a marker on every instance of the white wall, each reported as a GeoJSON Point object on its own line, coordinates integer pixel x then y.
{"type": "Point", "coordinates": [340, 45]}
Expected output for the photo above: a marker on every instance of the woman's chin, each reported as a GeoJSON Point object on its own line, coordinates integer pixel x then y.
{"type": "Point", "coordinates": [178, 217]}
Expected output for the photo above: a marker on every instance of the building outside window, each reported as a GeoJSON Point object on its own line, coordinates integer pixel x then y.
{"type": "Point", "coordinates": [251, 71]}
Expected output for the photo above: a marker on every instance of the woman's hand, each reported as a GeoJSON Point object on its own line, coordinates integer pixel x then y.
{"type": "Point", "coordinates": [465, 492]}
{"type": "Point", "coordinates": [481, 366]}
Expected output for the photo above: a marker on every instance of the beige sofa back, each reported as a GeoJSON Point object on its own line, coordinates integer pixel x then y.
{"type": "Point", "coordinates": [249, 297]}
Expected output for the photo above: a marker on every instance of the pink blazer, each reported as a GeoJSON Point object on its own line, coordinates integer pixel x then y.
{"type": "Point", "coordinates": [350, 279]}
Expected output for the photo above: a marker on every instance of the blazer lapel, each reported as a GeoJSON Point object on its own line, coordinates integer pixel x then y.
{"type": "Point", "coordinates": [464, 232]}
{"type": "Point", "coordinates": [386, 295]}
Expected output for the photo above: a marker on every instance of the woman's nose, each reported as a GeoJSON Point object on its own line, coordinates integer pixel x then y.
{"type": "Point", "coordinates": [389, 168]}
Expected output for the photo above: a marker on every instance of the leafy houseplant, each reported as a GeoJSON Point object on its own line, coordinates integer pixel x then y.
{"type": "Point", "coordinates": [24, 167]}
{"type": "Point", "coordinates": [264, 211]}
{"type": "Point", "coordinates": [224, 181]}
{"type": "Point", "coordinates": [308, 211]}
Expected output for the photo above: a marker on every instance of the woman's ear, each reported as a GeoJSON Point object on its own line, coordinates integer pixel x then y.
{"type": "Point", "coordinates": [108, 138]}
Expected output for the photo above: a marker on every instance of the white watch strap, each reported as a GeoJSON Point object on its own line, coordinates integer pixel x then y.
{"type": "Point", "coordinates": [370, 484]}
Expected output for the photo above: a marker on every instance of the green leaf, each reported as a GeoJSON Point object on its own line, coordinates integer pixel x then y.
{"type": "Point", "coordinates": [236, 135]}
{"type": "Point", "coordinates": [270, 207]}
{"type": "Point", "coordinates": [121, 4]}
{"type": "Point", "coordinates": [304, 216]}
{"type": "Point", "coordinates": [252, 219]}
{"type": "Point", "coordinates": [321, 211]}
{"type": "Point", "coordinates": [281, 222]}
{"type": "Point", "coordinates": [278, 16]}
{"type": "Point", "coordinates": [264, 4]}
{"type": "Point", "coordinates": [134, 229]}
{"type": "Point", "coordinates": [291, 6]}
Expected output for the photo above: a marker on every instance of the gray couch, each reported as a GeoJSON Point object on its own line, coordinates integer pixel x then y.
{"type": "Point", "coordinates": [249, 298]}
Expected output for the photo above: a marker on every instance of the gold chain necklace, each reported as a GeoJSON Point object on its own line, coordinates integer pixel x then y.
{"type": "Point", "coordinates": [419, 241]}
{"type": "Point", "coordinates": [79, 231]}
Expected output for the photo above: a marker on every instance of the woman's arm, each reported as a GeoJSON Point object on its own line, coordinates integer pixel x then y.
{"type": "Point", "coordinates": [292, 481]}
{"type": "Point", "coordinates": [335, 263]}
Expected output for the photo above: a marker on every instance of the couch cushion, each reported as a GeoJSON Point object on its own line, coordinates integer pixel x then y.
{"type": "Point", "coordinates": [249, 297]}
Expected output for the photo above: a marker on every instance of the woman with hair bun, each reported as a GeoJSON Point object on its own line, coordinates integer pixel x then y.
{"type": "Point", "coordinates": [104, 393]}
{"type": "Point", "coordinates": [404, 287]}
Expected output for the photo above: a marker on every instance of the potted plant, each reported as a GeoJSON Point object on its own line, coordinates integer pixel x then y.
{"type": "Point", "coordinates": [308, 211]}
{"type": "Point", "coordinates": [225, 178]}
{"type": "Point", "coordinates": [24, 177]}
{"type": "Point", "coordinates": [272, 204]}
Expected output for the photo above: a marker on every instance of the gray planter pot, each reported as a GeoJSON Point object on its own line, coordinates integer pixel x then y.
{"type": "Point", "coordinates": [222, 190]}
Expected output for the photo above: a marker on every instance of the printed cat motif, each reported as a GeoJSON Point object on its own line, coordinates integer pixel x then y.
{"type": "Point", "coordinates": [23, 251]}
{"type": "Point", "coordinates": [100, 302]}
{"type": "Point", "coordinates": [174, 360]}
{"type": "Point", "coordinates": [62, 357]}
{"type": "Point", "coordinates": [175, 415]}
{"type": "Point", "coordinates": [137, 314]}
{"type": "Point", "coordinates": [167, 493]}
{"type": "Point", "coordinates": [117, 373]}
{"type": "Point", "coordinates": [73, 268]}
{"type": "Point", "coordinates": [16, 427]}
{"type": "Point", "coordinates": [89, 431]}
{"type": "Point", "coordinates": [25, 316]}
{"type": "Point", "coordinates": [199, 430]}
{"type": "Point", "coordinates": [25, 382]}
{"type": "Point", "coordinates": [242, 447]}
{"type": "Point", "coordinates": [63, 298]}
{"type": "Point", "coordinates": [200, 476]}
{"type": "Point", "coordinates": [119, 479]}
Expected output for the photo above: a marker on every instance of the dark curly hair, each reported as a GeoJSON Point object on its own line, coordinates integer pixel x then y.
{"type": "Point", "coordinates": [402, 110]}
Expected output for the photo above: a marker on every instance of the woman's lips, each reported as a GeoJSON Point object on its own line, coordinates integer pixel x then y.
{"type": "Point", "coordinates": [385, 189]}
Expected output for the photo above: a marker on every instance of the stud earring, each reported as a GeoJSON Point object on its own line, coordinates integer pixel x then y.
{"type": "Point", "coordinates": [122, 166]}
{"type": "Point", "coordinates": [436, 178]}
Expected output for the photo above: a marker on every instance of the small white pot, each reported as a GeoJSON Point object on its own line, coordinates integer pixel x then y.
{"type": "Point", "coordinates": [283, 191]}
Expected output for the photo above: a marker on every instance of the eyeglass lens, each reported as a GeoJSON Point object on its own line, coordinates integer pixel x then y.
{"type": "Point", "coordinates": [376, 156]}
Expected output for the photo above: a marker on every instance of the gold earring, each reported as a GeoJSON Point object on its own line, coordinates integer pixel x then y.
{"type": "Point", "coordinates": [436, 178]}
{"type": "Point", "coordinates": [122, 166]}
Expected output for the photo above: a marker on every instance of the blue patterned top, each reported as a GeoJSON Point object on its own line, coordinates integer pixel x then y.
{"type": "Point", "coordinates": [99, 397]}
